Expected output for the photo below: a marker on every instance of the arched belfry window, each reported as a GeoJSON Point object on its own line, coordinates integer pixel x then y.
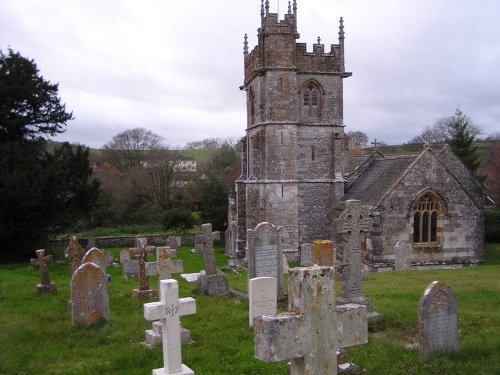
{"type": "Point", "coordinates": [426, 212]}
{"type": "Point", "coordinates": [311, 100]}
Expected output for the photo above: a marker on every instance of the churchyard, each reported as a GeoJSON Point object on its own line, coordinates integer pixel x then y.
{"type": "Point", "coordinates": [37, 335]}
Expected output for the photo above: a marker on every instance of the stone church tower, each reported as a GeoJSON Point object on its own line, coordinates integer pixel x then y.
{"type": "Point", "coordinates": [295, 149]}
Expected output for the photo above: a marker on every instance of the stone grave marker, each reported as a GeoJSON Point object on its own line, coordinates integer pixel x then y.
{"type": "Point", "coordinates": [91, 243]}
{"type": "Point", "coordinates": [74, 252]}
{"type": "Point", "coordinates": [124, 255]}
{"type": "Point", "coordinates": [173, 242]}
{"type": "Point", "coordinates": [306, 255]}
{"type": "Point", "coordinates": [262, 297]}
{"type": "Point", "coordinates": [323, 253]}
{"type": "Point", "coordinates": [437, 321]}
{"type": "Point", "coordinates": [45, 286]}
{"type": "Point", "coordinates": [96, 256]}
{"type": "Point", "coordinates": [35, 263]}
{"type": "Point", "coordinates": [169, 310]}
{"type": "Point", "coordinates": [89, 295]}
{"type": "Point", "coordinates": [142, 251]}
{"type": "Point", "coordinates": [211, 283]}
{"type": "Point", "coordinates": [402, 256]}
{"type": "Point", "coordinates": [265, 253]}
{"type": "Point", "coordinates": [310, 333]}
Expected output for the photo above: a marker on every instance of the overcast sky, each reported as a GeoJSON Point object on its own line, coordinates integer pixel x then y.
{"type": "Point", "coordinates": [175, 67]}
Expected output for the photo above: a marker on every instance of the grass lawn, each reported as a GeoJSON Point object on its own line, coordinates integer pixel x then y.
{"type": "Point", "coordinates": [37, 335]}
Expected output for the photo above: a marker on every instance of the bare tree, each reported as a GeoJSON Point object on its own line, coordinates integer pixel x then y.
{"type": "Point", "coordinates": [134, 148]}
{"type": "Point", "coordinates": [357, 139]}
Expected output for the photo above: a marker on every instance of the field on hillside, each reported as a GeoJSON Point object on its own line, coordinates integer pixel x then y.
{"type": "Point", "coordinates": [37, 335]}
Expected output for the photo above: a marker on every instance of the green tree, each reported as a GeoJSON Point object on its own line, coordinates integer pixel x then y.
{"type": "Point", "coordinates": [29, 106]}
{"type": "Point", "coordinates": [41, 193]}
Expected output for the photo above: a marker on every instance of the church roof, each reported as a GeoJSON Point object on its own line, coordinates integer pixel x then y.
{"type": "Point", "coordinates": [377, 178]}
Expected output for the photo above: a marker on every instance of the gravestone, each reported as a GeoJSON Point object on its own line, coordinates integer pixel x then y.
{"type": "Point", "coordinates": [35, 263]}
{"type": "Point", "coordinates": [169, 310]}
{"type": "Point", "coordinates": [437, 321]}
{"type": "Point", "coordinates": [264, 244]}
{"type": "Point", "coordinates": [74, 252]}
{"type": "Point", "coordinates": [323, 253]}
{"type": "Point", "coordinates": [312, 330]}
{"type": "Point", "coordinates": [141, 251]}
{"type": "Point", "coordinates": [306, 255]}
{"type": "Point", "coordinates": [402, 256]}
{"type": "Point", "coordinates": [173, 242]}
{"type": "Point", "coordinates": [96, 256]}
{"type": "Point", "coordinates": [211, 283]}
{"type": "Point", "coordinates": [45, 286]}
{"type": "Point", "coordinates": [262, 297]}
{"type": "Point", "coordinates": [165, 265]}
{"type": "Point", "coordinates": [91, 243]}
{"type": "Point", "coordinates": [124, 255]}
{"type": "Point", "coordinates": [89, 295]}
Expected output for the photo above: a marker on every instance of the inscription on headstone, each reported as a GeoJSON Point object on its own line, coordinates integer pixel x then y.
{"type": "Point", "coordinates": [402, 256]}
{"type": "Point", "coordinates": [262, 297]}
{"type": "Point", "coordinates": [437, 321]}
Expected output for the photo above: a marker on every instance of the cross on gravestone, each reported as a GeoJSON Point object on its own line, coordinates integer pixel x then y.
{"type": "Point", "coordinates": [45, 285]}
{"type": "Point", "coordinates": [314, 328]}
{"type": "Point", "coordinates": [169, 310]}
{"type": "Point", "coordinates": [437, 321]}
{"type": "Point", "coordinates": [165, 265]}
{"type": "Point", "coordinates": [375, 145]}
{"type": "Point", "coordinates": [353, 224]}
{"type": "Point", "coordinates": [207, 239]}
{"type": "Point", "coordinates": [74, 252]}
{"type": "Point", "coordinates": [142, 251]}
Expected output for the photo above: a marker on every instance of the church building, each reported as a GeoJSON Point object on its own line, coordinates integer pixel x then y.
{"type": "Point", "coordinates": [295, 162]}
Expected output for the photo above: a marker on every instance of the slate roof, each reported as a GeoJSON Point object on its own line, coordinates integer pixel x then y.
{"type": "Point", "coordinates": [377, 178]}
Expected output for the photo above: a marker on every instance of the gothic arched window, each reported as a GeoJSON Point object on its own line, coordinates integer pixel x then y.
{"type": "Point", "coordinates": [311, 100]}
{"type": "Point", "coordinates": [425, 220]}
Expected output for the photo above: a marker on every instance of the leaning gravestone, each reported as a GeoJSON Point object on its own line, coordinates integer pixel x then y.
{"type": "Point", "coordinates": [96, 256]}
{"type": "Point", "coordinates": [262, 298]}
{"type": "Point", "coordinates": [402, 256]}
{"type": "Point", "coordinates": [45, 286]}
{"type": "Point", "coordinates": [169, 310]}
{"type": "Point", "coordinates": [265, 255]}
{"type": "Point", "coordinates": [211, 283]}
{"type": "Point", "coordinates": [437, 321]}
{"type": "Point", "coordinates": [89, 295]}
{"type": "Point", "coordinates": [313, 329]}
{"type": "Point", "coordinates": [306, 255]}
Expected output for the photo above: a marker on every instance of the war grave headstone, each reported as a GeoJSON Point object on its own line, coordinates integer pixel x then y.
{"type": "Point", "coordinates": [169, 310]}
{"type": "Point", "coordinates": [89, 295]}
{"type": "Point", "coordinates": [262, 297]}
{"type": "Point", "coordinates": [437, 321]}
{"type": "Point", "coordinates": [312, 330]}
{"type": "Point", "coordinates": [45, 286]}
{"type": "Point", "coordinates": [74, 252]}
{"type": "Point", "coordinates": [353, 224]}
{"type": "Point", "coordinates": [142, 251]}
{"type": "Point", "coordinates": [402, 256]}
{"type": "Point", "coordinates": [306, 255]}
{"type": "Point", "coordinates": [96, 256]}
{"type": "Point", "coordinates": [211, 283]}
{"type": "Point", "coordinates": [165, 267]}
{"type": "Point", "coordinates": [264, 244]}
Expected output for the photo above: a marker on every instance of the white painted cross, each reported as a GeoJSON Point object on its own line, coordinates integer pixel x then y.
{"type": "Point", "coordinates": [169, 310]}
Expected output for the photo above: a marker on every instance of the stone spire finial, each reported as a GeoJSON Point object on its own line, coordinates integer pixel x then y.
{"type": "Point", "coordinates": [341, 29]}
{"type": "Point", "coordinates": [294, 6]}
{"type": "Point", "coordinates": [245, 45]}
{"type": "Point", "coordinates": [267, 7]}
{"type": "Point", "coordinates": [319, 40]}
{"type": "Point", "coordinates": [262, 9]}
{"type": "Point", "coordinates": [289, 8]}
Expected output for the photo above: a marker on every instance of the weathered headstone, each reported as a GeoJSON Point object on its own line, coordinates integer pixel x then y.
{"type": "Point", "coordinates": [45, 286]}
{"type": "Point", "coordinates": [306, 255]}
{"type": "Point", "coordinates": [173, 242]}
{"type": "Point", "coordinates": [262, 297]}
{"type": "Point", "coordinates": [74, 252]}
{"type": "Point", "coordinates": [142, 251]}
{"type": "Point", "coordinates": [265, 253]}
{"type": "Point", "coordinates": [124, 255]}
{"type": "Point", "coordinates": [89, 295]}
{"type": "Point", "coordinates": [437, 321]}
{"type": "Point", "coordinates": [169, 310]}
{"type": "Point", "coordinates": [211, 283]}
{"type": "Point", "coordinates": [96, 256]}
{"type": "Point", "coordinates": [323, 253]}
{"type": "Point", "coordinates": [402, 256]}
{"type": "Point", "coordinates": [48, 259]}
{"type": "Point", "coordinates": [352, 224]}
{"type": "Point", "coordinates": [165, 265]}
{"type": "Point", "coordinates": [310, 333]}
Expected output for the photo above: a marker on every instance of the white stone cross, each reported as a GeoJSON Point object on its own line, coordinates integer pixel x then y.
{"type": "Point", "coordinates": [314, 328]}
{"type": "Point", "coordinates": [169, 310]}
{"type": "Point", "coordinates": [353, 224]}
